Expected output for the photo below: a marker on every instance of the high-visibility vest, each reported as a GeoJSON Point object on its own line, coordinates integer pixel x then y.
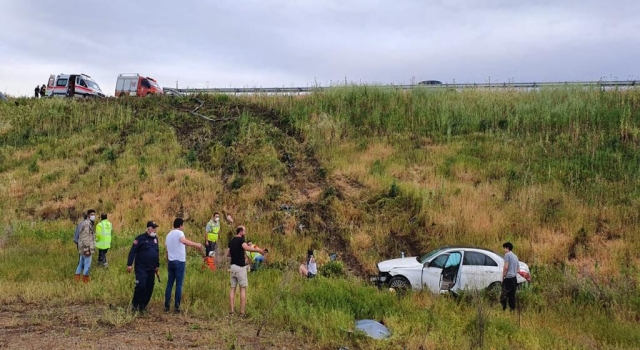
{"type": "Point", "coordinates": [103, 235]}
{"type": "Point", "coordinates": [212, 229]}
{"type": "Point", "coordinates": [253, 255]}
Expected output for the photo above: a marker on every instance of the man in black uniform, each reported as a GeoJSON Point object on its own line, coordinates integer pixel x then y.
{"type": "Point", "coordinates": [146, 254]}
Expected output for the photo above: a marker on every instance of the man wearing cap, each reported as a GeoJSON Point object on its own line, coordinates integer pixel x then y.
{"type": "Point", "coordinates": [145, 252]}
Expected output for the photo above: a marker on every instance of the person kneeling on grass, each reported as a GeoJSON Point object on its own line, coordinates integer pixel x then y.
{"type": "Point", "coordinates": [255, 259]}
{"type": "Point", "coordinates": [310, 268]}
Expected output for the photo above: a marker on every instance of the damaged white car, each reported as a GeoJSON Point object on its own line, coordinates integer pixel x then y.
{"type": "Point", "coordinates": [448, 269]}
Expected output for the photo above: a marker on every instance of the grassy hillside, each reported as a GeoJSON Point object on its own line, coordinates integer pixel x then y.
{"type": "Point", "coordinates": [364, 173]}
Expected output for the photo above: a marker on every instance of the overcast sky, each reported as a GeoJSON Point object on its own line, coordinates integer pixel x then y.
{"type": "Point", "coordinates": [261, 43]}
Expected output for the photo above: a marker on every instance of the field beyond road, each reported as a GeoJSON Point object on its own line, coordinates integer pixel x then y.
{"type": "Point", "coordinates": [362, 173]}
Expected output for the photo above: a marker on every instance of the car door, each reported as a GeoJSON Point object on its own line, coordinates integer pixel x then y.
{"type": "Point", "coordinates": [449, 275]}
{"type": "Point", "coordinates": [432, 271]}
{"type": "Point", "coordinates": [471, 272]}
{"type": "Point", "coordinates": [491, 272]}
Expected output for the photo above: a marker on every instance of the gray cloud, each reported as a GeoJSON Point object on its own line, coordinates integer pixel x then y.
{"type": "Point", "coordinates": [286, 43]}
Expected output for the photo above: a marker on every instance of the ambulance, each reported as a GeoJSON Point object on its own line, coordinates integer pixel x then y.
{"type": "Point", "coordinates": [73, 85]}
{"type": "Point", "coordinates": [136, 85]}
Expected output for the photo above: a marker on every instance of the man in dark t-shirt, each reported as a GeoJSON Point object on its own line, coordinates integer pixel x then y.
{"type": "Point", "coordinates": [236, 250]}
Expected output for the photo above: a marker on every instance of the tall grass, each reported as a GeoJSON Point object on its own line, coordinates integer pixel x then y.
{"type": "Point", "coordinates": [363, 172]}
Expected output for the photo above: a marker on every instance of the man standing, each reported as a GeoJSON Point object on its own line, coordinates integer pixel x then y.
{"type": "Point", "coordinates": [103, 239]}
{"type": "Point", "coordinates": [145, 252]}
{"type": "Point", "coordinates": [236, 250]}
{"type": "Point", "coordinates": [509, 281]}
{"type": "Point", "coordinates": [76, 234]}
{"type": "Point", "coordinates": [211, 234]}
{"type": "Point", "coordinates": [43, 90]}
{"type": "Point", "coordinates": [37, 91]}
{"type": "Point", "coordinates": [86, 246]}
{"type": "Point", "coordinates": [177, 258]}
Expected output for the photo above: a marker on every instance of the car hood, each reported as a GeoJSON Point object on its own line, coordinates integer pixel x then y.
{"type": "Point", "coordinates": [387, 265]}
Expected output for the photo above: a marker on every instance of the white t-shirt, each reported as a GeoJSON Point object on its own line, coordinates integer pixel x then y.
{"type": "Point", "coordinates": [175, 248]}
{"type": "Point", "coordinates": [313, 268]}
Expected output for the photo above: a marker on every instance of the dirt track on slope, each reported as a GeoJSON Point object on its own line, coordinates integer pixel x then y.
{"type": "Point", "coordinates": [29, 326]}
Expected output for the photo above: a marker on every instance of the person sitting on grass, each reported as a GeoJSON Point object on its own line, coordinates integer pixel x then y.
{"type": "Point", "coordinates": [309, 269]}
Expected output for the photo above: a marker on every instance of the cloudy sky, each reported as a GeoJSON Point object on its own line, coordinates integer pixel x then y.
{"type": "Point", "coordinates": [264, 43]}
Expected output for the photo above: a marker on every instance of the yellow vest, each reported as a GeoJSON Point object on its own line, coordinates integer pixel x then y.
{"type": "Point", "coordinates": [103, 234]}
{"type": "Point", "coordinates": [212, 229]}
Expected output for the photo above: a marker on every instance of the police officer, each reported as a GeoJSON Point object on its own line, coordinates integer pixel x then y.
{"type": "Point", "coordinates": [146, 254]}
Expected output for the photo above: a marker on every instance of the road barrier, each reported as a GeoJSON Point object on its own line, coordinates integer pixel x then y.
{"type": "Point", "coordinates": [301, 90]}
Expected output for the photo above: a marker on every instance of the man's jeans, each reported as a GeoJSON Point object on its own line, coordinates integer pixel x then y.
{"type": "Point", "coordinates": [84, 263]}
{"type": "Point", "coordinates": [176, 274]}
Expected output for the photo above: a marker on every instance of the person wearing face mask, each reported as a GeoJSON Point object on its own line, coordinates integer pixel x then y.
{"type": "Point", "coordinates": [86, 246]}
{"type": "Point", "coordinates": [146, 254]}
{"type": "Point", "coordinates": [211, 235]}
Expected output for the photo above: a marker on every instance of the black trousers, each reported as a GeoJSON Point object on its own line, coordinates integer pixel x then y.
{"type": "Point", "coordinates": [102, 256]}
{"type": "Point", "coordinates": [509, 286]}
{"type": "Point", "coordinates": [145, 280]}
{"type": "Point", "coordinates": [211, 247]}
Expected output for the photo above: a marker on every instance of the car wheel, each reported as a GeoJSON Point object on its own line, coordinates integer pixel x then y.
{"type": "Point", "coordinates": [399, 283]}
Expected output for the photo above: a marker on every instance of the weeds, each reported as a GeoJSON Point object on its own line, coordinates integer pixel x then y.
{"type": "Point", "coordinates": [372, 172]}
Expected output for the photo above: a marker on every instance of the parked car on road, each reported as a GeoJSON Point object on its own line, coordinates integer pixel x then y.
{"type": "Point", "coordinates": [453, 269]}
{"type": "Point", "coordinates": [136, 85]}
{"type": "Point", "coordinates": [72, 85]}
{"type": "Point", "coordinates": [430, 82]}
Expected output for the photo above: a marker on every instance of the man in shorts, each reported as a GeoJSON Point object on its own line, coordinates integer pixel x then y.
{"type": "Point", "coordinates": [236, 250]}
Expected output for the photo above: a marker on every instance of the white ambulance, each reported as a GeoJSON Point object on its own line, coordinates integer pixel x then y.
{"type": "Point", "coordinates": [73, 85]}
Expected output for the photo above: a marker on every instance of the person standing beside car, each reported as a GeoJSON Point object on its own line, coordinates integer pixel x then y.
{"type": "Point", "coordinates": [509, 281]}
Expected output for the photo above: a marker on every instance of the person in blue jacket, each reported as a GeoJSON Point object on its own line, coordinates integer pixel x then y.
{"type": "Point", "coordinates": [146, 254]}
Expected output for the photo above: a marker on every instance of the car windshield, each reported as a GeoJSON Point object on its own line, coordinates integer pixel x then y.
{"type": "Point", "coordinates": [153, 83]}
{"type": "Point", "coordinates": [92, 84]}
{"type": "Point", "coordinates": [423, 258]}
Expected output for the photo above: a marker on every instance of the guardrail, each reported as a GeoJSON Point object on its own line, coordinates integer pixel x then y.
{"type": "Point", "coordinates": [294, 90]}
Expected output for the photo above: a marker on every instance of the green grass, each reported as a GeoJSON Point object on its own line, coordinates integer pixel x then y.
{"type": "Point", "coordinates": [367, 173]}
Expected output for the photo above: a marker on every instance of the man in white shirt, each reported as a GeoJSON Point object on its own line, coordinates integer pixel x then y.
{"type": "Point", "coordinates": [176, 244]}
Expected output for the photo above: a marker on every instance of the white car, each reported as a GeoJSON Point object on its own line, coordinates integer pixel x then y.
{"type": "Point", "coordinates": [453, 269]}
